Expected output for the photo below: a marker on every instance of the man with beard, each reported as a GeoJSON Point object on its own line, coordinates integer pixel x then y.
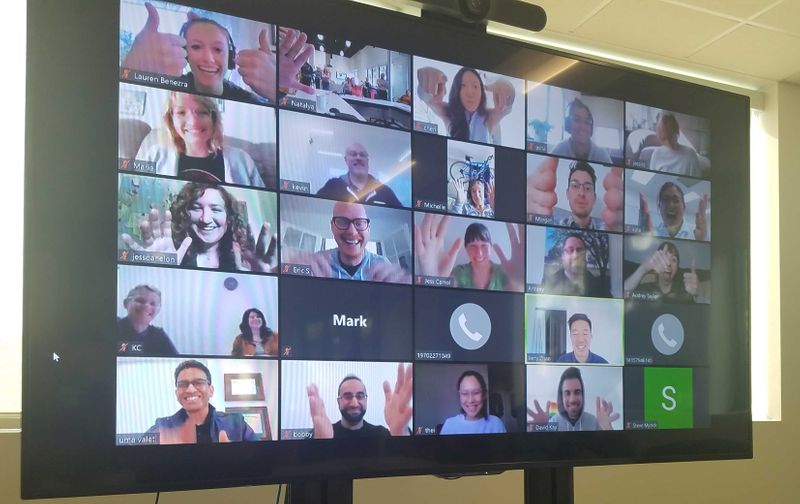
{"type": "Point", "coordinates": [669, 286]}
{"type": "Point", "coordinates": [357, 185]}
{"type": "Point", "coordinates": [571, 415]}
{"type": "Point", "coordinates": [671, 207]}
{"type": "Point", "coordinates": [572, 278]}
{"type": "Point", "coordinates": [198, 421]}
{"type": "Point", "coordinates": [581, 195]}
{"type": "Point", "coordinates": [352, 402]}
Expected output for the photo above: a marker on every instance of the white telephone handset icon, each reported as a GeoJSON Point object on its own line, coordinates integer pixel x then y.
{"type": "Point", "coordinates": [669, 341]}
{"type": "Point", "coordinates": [462, 322]}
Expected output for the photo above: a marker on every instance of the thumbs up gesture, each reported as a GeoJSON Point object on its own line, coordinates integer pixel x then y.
{"type": "Point", "coordinates": [153, 51]}
{"type": "Point", "coordinates": [690, 281]}
{"type": "Point", "coordinates": [257, 67]}
{"type": "Point", "coordinates": [700, 223]}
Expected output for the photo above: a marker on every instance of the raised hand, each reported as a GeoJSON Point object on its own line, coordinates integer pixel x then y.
{"type": "Point", "coordinates": [659, 261]}
{"type": "Point", "coordinates": [612, 213]}
{"type": "Point", "coordinates": [490, 193]}
{"type": "Point", "coordinates": [388, 272]}
{"type": "Point", "coordinates": [157, 236]}
{"type": "Point", "coordinates": [605, 414]}
{"type": "Point", "coordinates": [292, 53]}
{"type": "Point", "coordinates": [260, 259]}
{"type": "Point", "coordinates": [323, 428]}
{"type": "Point", "coordinates": [153, 51]}
{"type": "Point", "coordinates": [700, 224]}
{"type": "Point", "coordinates": [690, 281]}
{"type": "Point", "coordinates": [538, 415]}
{"type": "Point", "coordinates": [432, 87]}
{"type": "Point", "coordinates": [257, 67]}
{"type": "Point", "coordinates": [542, 188]}
{"type": "Point", "coordinates": [515, 266]}
{"type": "Point", "coordinates": [644, 211]}
{"type": "Point", "coordinates": [398, 410]}
{"type": "Point", "coordinates": [461, 190]}
{"type": "Point", "coordinates": [432, 258]}
{"type": "Point", "coordinates": [503, 97]}
{"type": "Point", "coordinates": [320, 267]}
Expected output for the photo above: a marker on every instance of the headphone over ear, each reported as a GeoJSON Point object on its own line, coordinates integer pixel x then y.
{"type": "Point", "coordinates": [568, 119]}
{"type": "Point", "coordinates": [231, 45]}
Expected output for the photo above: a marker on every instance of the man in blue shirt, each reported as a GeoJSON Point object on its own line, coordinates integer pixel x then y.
{"type": "Point", "coordinates": [580, 334]}
{"type": "Point", "coordinates": [198, 421]}
{"type": "Point", "coordinates": [351, 260]}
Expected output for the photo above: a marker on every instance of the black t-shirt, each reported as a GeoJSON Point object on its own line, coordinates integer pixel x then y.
{"type": "Point", "coordinates": [203, 431]}
{"type": "Point", "coordinates": [230, 91]}
{"type": "Point", "coordinates": [368, 430]}
{"type": "Point", "coordinates": [153, 341]}
{"type": "Point", "coordinates": [210, 169]}
{"type": "Point", "coordinates": [351, 270]}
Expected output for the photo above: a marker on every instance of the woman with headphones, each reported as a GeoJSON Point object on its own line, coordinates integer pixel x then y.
{"type": "Point", "coordinates": [209, 49]}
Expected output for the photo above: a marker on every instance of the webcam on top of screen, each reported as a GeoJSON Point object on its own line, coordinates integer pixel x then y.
{"type": "Point", "coordinates": [478, 13]}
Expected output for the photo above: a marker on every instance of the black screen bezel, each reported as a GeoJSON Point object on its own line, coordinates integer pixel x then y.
{"type": "Point", "coordinates": [70, 270]}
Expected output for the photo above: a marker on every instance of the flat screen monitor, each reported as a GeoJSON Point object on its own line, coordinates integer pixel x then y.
{"type": "Point", "coordinates": [325, 240]}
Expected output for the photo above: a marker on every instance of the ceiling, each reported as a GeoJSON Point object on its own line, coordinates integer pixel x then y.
{"type": "Point", "coordinates": [757, 39]}
{"type": "Point", "coordinates": [745, 43]}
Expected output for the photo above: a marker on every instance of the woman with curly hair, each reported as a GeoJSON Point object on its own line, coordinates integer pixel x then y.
{"type": "Point", "coordinates": [203, 229]}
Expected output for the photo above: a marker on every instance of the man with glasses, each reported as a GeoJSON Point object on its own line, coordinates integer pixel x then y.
{"type": "Point", "coordinates": [350, 260]}
{"type": "Point", "coordinates": [357, 185]}
{"type": "Point", "coordinates": [352, 402]}
{"type": "Point", "coordinates": [572, 278]}
{"type": "Point", "coordinates": [581, 196]}
{"type": "Point", "coordinates": [198, 421]}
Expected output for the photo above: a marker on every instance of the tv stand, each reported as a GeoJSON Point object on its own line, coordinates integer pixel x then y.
{"type": "Point", "coordinates": [544, 485]}
{"type": "Point", "coordinates": [320, 492]}
{"type": "Point", "coordinates": [549, 484]}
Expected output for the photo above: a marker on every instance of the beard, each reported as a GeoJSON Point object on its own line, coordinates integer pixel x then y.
{"type": "Point", "coordinates": [351, 417]}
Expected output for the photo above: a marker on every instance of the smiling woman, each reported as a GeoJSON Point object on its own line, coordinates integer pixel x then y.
{"type": "Point", "coordinates": [474, 417]}
{"type": "Point", "coordinates": [193, 146]}
{"type": "Point", "coordinates": [208, 228]}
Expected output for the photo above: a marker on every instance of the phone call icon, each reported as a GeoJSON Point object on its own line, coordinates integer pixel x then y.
{"type": "Point", "coordinates": [470, 326]}
{"type": "Point", "coordinates": [667, 334]}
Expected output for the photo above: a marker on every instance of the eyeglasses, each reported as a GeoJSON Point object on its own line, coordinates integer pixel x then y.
{"type": "Point", "coordinates": [348, 396]}
{"type": "Point", "coordinates": [586, 186]}
{"type": "Point", "coordinates": [199, 383]}
{"type": "Point", "coordinates": [343, 223]}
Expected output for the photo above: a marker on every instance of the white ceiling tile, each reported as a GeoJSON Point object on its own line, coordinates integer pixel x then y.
{"type": "Point", "coordinates": [654, 26]}
{"type": "Point", "coordinates": [754, 51]}
{"type": "Point", "coordinates": [741, 9]}
{"type": "Point", "coordinates": [564, 16]}
{"type": "Point", "coordinates": [785, 16]}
